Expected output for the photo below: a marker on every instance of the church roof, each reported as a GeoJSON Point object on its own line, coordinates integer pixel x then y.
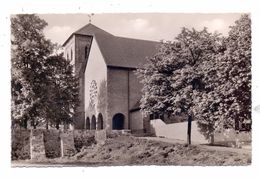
{"type": "Point", "coordinates": [120, 51]}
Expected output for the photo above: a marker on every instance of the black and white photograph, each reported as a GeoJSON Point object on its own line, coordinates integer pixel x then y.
{"type": "Point", "coordinates": [131, 89]}
{"type": "Point", "coordinates": [143, 91]}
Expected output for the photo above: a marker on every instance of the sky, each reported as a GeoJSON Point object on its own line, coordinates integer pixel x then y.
{"type": "Point", "coordinates": [148, 26]}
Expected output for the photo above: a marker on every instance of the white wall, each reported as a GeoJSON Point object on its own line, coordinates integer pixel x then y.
{"type": "Point", "coordinates": [177, 131]}
{"type": "Point", "coordinates": [95, 70]}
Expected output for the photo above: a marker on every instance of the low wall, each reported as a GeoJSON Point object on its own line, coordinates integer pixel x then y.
{"type": "Point", "coordinates": [229, 137]}
{"type": "Point", "coordinates": [67, 143]}
{"type": "Point", "coordinates": [39, 144]}
{"type": "Point", "coordinates": [83, 138]}
{"type": "Point", "coordinates": [232, 138]}
{"type": "Point", "coordinates": [52, 143]}
{"type": "Point", "coordinates": [176, 131]}
{"type": "Point", "coordinates": [20, 144]}
{"type": "Point", "coordinates": [101, 136]}
{"type": "Point", "coordinates": [116, 133]}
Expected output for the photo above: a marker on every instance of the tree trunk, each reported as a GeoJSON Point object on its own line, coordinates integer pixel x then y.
{"type": "Point", "coordinates": [33, 123]}
{"type": "Point", "coordinates": [189, 130]}
{"type": "Point", "coordinates": [47, 124]}
{"type": "Point", "coordinates": [212, 138]}
{"type": "Point", "coordinates": [25, 124]}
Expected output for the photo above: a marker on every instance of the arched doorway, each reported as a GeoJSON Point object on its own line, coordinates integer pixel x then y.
{"type": "Point", "coordinates": [93, 123]}
{"type": "Point", "coordinates": [87, 123]}
{"type": "Point", "coordinates": [100, 122]}
{"type": "Point", "coordinates": [118, 121]}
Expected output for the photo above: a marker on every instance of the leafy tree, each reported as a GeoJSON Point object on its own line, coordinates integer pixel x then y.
{"type": "Point", "coordinates": [29, 50]}
{"type": "Point", "coordinates": [203, 75]}
{"type": "Point", "coordinates": [171, 77]}
{"type": "Point", "coordinates": [238, 72]}
{"type": "Point", "coordinates": [61, 97]}
{"type": "Point", "coordinates": [229, 83]}
{"type": "Point", "coordinates": [39, 81]}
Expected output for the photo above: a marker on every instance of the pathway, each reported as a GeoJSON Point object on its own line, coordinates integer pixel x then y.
{"type": "Point", "coordinates": [244, 150]}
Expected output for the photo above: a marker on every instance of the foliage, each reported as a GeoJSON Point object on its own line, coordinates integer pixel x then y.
{"type": "Point", "coordinates": [61, 97]}
{"type": "Point", "coordinates": [170, 77]}
{"type": "Point", "coordinates": [39, 80]}
{"type": "Point", "coordinates": [229, 78]}
{"type": "Point", "coordinates": [203, 75]}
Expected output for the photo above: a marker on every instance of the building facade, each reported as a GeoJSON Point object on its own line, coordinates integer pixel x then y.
{"type": "Point", "coordinates": [110, 91]}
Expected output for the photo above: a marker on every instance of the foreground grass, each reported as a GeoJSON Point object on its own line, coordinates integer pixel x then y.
{"type": "Point", "coordinates": [125, 150]}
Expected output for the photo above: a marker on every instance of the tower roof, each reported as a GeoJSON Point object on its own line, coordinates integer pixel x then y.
{"type": "Point", "coordinates": [119, 51]}
{"type": "Point", "coordinates": [91, 29]}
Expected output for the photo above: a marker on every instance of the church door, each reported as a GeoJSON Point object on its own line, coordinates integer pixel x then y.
{"type": "Point", "coordinates": [118, 121]}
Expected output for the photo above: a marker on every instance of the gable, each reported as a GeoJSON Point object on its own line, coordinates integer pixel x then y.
{"type": "Point", "coordinates": [96, 70]}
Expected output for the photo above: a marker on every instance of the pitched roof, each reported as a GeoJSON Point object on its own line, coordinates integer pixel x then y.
{"type": "Point", "coordinates": [120, 51]}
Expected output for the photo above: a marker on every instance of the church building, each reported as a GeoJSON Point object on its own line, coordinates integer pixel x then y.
{"type": "Point", "coordinates": [110, 91]}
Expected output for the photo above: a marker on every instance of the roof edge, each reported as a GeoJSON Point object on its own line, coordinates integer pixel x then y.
{"type": "Point", "coordinates": [129, 38]}
{"type": "Point", "coordinates": [75, 35]}
{"type": "Point", "coordinates": [67, 39]}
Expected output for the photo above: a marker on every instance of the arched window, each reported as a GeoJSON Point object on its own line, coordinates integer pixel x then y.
{"type": "Point", "coordinates": [87, 123]}
{"type": "Point", "coordinates": [100, 122]}
{"type": "Point", "coordinates": [118, 121]}
{"type": "Point", "coordinates": [93, 123]}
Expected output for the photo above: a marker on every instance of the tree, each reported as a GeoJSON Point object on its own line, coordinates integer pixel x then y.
{"type": "Point", "coordinates": [29, 49]}
{"type": "Point", "coordinates": [238, 71]}
{"type": "Point", "coordinates": [171, 77]}
{"type": "Point", "coordinates": [38, 80]}
{"type": "Point", "coordinates": [61, 97]}
{"type": "Point", "coordinates": [229, 83]}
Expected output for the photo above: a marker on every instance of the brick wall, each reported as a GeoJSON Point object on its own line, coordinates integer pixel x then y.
{"type": "Point", "coordinates": [136, 123]}
{"type": "Point", "coordinates": [135, 88]}
{"type": "Point", "coordinates": [117, 95]}
{"type": "Point", "coordinates": [81, 42]}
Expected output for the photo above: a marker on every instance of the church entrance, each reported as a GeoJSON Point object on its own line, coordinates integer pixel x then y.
{"type": "Point", "coordinates": [118, 121]}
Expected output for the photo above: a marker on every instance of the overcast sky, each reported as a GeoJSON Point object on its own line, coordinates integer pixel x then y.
{"type": "Point", "coordinates": [157, 26]}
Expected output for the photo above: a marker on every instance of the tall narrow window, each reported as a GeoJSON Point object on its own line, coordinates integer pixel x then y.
{"type": "Point", "coordinates": [86, 52]}
{"type": "Point", "coordinates": [68, 57]}
{"type": "Point", "coordinates": [71, 54]}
